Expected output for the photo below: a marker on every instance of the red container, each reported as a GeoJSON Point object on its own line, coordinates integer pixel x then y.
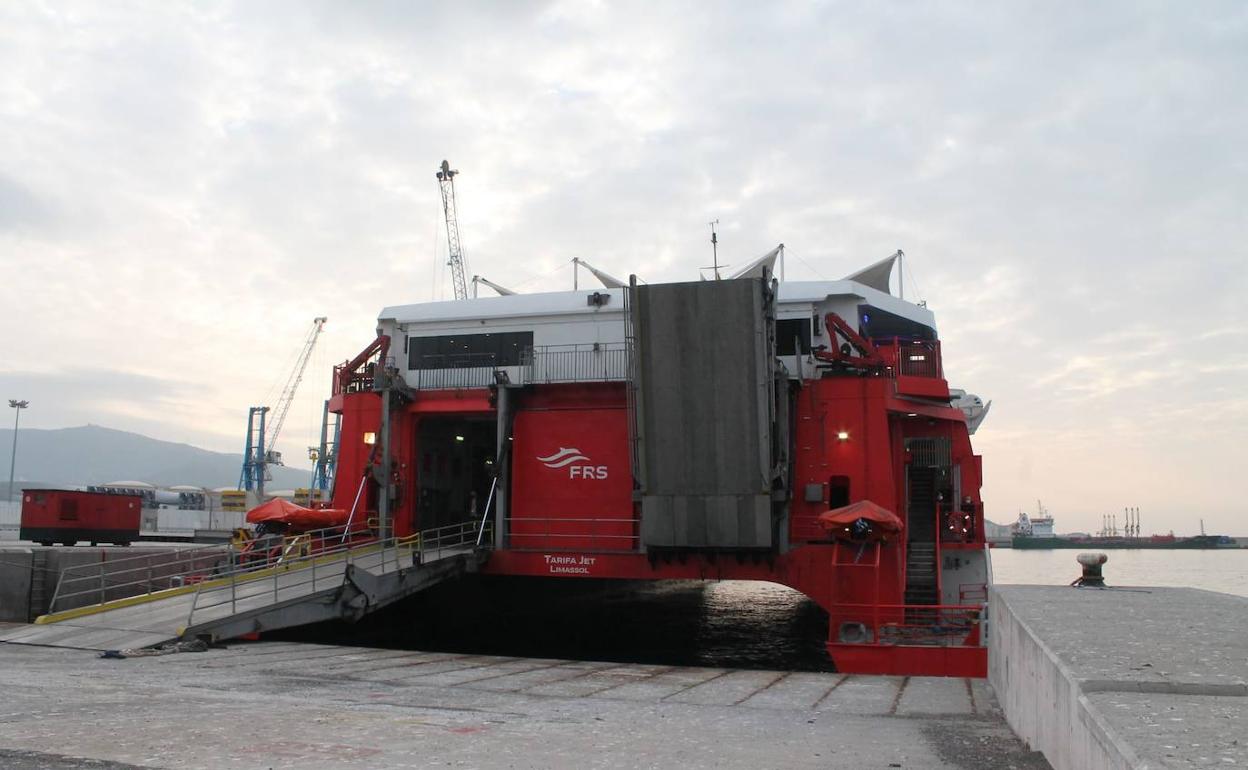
{"type": "Point", "coordinates": [67, 516]}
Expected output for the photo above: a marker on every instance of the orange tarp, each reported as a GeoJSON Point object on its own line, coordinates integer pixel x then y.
{"type": "Point", "coordinates": [297, 516]}
{"type": "Point", "coordinates": [838, 520]}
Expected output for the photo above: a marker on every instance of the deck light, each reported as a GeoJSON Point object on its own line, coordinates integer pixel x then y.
{"type": "Point", "coordinates": [843, 435]}
{"type": "Point", "coordinates": [459, 438]}
{"type": "Point", "coordinates": [370, 438]}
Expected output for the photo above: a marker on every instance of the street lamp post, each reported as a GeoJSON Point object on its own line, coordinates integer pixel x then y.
{"type": "Point", "coordinates": [18, 406]}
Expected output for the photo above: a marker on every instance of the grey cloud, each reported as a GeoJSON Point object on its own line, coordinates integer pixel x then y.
{"type": "Point", "coordinates": [20, 208]}
{"type": "Point", "coordinates": [1056, 172]}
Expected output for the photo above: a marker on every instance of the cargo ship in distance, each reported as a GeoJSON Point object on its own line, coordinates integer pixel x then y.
{"type": "Point", "coordinates": [1036, 532]}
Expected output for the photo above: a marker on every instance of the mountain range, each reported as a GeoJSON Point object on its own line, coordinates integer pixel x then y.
{"type": "Point", "coordinates": [92, 454]}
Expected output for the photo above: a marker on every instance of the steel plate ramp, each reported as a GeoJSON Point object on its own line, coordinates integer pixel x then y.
{"type": "Point", "coordinates": [222, 592]}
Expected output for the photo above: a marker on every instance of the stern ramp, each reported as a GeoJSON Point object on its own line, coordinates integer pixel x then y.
{"type": "Point", "coordinates": [221, 593]}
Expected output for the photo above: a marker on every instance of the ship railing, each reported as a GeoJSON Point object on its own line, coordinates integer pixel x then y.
{"type": "Point", "coordinates": [558, 533]}
{"type": "Point", "coordinates": [584, 362]}
{"type": "Point", "coordinates": [941, 625]}
{"type": "Point", "coordinates": [359, 379]}
{"type": "Point", "coordinates": [310, 569]}
{"type": "Point", "coordinates": [911, 358]}
{"type": "Point", "coordinates": [972, 592]}
{"type": "Point", "coordinates": [186, 568]}
{"type": "Point", "coordinates": [452, 371]}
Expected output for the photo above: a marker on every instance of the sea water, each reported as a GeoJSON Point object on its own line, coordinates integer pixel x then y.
{"type": "Point", "coordinates": [730, 624]}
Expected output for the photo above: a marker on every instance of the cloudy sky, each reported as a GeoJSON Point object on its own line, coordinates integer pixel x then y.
{"type": "Point", "coordinates": [184, 186]}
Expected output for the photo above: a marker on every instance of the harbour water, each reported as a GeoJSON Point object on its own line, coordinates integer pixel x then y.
{"type": "Point", "coordinates": [1213, 570]}
{"type": "Point", "coordinates": [735, 624]}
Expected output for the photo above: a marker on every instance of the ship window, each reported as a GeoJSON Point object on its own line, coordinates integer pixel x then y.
{"type": "Point", "coordinates": [876, 324]}
{"type": "Point", "coordinates": [792, 335]}
{"type": "Point", "coordinates": [464, 351]}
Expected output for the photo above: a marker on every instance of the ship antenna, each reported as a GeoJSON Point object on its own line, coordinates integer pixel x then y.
{"type": "Point", "coordinates": [714, 249]}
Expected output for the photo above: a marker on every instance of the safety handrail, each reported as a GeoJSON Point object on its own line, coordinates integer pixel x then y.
{"type": "Point", "coordinates": [392, 553]}
{"type": "Point", "coordinates": [147, 574]}
{"type": "Point", "coordinates": [547, 532]}
{"type": "Point", "coordinates": [152, 572]}
{"type": "Point", "coordinates": [939, 624]}
{"type": "Point", "coordinates": [489, 502]}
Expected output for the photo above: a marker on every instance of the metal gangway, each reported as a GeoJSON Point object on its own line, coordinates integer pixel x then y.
{"type": "Point", "coordinates": [225, 591]}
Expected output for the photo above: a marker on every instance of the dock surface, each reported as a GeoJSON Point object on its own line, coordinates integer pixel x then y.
{"type": "Point", "coordinates": [286, 705]}
{"type": "Point", "coordinates": [1123, 678]}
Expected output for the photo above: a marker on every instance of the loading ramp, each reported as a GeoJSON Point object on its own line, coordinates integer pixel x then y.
{"type": "Point", "coordinates": [224, 592]}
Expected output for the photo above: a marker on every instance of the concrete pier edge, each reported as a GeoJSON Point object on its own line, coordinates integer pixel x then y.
{"type": "Point", "coordinates": [1065, 698]}
{"type": "Point", "coordinates": [1071, 735]}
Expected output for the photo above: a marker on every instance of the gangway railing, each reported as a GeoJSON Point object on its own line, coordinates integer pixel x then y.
{"type": "Point", "coordinates": [307, 570]}
{"type": "Point", "coordinates": [189, 569]}
{"type": "Point", "coordinates": [109, 579]}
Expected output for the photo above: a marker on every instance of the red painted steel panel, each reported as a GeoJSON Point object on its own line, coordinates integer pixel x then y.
{"type": "Point", "coordinates": [572, 482]}
{"type": "Point", "coordinates": [361, 415]}
{"type": "Point", "coordinates": [903, 660]}
{"type": "Point", "coordinates": [927, 387]}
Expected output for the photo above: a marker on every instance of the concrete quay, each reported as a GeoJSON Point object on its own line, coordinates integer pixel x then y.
{"type": "Point", "coordinates": [1123, 678]}
{"type": "Point", "coordinates": [290, 705]}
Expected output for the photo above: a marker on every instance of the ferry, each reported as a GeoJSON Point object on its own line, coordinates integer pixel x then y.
{"type": "Point", "coordinates": [798, 432]}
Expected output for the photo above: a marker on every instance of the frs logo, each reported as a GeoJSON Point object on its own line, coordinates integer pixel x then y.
{"type": "Point", "coordinates": [575, 462]}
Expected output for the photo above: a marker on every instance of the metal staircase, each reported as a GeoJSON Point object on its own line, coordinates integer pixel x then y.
{"type": "Point", "coordinates": [223, 592]}
{"type": "Point", "coordinates": [921, 584]}
{"type": "Point", "coordinates": [921, 574]}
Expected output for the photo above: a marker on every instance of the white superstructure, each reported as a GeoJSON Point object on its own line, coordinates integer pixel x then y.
{"type": "Point", "coordinates": [444, 342]}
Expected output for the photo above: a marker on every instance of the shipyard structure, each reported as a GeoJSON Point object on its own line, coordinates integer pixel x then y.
{"type": "Point", "coordinates": [795, 432]}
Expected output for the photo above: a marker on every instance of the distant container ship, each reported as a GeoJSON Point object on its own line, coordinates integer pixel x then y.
{"type": "Point", "coordinates": [1037, 532]}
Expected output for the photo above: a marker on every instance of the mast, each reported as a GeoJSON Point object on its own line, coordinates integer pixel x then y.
{"type": "Point", "coordinates": [714, 250]}
{"type": "Point", "coordinates": [901, 273]}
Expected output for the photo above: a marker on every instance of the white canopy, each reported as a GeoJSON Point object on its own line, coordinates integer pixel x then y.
{"type": "Point", "coordinates": [876, 276]}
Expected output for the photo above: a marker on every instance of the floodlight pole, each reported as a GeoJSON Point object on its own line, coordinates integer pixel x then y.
{"type": "Point", "coordinates": [18, 406]}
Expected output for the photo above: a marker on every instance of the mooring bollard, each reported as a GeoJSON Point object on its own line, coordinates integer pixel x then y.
{"type": "Point", "coordinates": [1091, 577]}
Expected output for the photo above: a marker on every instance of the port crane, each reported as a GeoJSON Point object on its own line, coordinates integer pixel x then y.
{"type": "Point", "coordinates": [262, 433]}
{"type": "Point", "coordinates": [446, 180]}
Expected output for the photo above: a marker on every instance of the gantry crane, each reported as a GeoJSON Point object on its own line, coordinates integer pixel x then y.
{"type": "Point", "coordinates": [259, 453]}
{"type": "Point", "coordinates": [446, 180]}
